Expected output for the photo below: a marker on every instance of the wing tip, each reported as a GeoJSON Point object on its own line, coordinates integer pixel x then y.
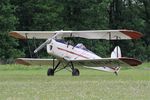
{"type": "Point", "coordinates": [132, 34]}
{"type": "Point", "coordinates": [16, 35]}
{"type": "Point", "coordinates": [21, 61]}
{"type": "Point", "coordinates": [131, 61]}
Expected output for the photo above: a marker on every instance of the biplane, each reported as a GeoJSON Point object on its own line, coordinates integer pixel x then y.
{"type": "Point", "coordinates": [67, 55]}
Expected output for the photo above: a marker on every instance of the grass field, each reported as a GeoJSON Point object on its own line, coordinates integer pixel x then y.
{"type": "Point", "coordinates": [31, 83]}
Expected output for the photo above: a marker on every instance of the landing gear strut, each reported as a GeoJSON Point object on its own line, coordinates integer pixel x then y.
{"type": "Point", "coordinates": [75, 71]}
{"type": "Point", "coordinates": [51, 71]}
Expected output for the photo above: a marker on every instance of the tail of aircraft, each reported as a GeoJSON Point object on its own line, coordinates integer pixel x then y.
{"type": "Point", "coordinates": [116, 53]}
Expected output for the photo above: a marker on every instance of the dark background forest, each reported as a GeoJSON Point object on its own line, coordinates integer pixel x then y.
{"type": "Point", "coordinates": [54, 15]}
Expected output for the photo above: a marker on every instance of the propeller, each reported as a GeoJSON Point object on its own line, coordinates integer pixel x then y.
{"type": "Point", "coordinates": [45, 43]}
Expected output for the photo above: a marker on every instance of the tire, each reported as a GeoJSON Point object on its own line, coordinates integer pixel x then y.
{"type": "Point", "coordinates": [50, 72]}
{"type": "Point", "coordinates": [75, 72]}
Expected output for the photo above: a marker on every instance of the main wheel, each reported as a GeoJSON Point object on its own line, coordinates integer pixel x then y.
{"type": "Point", "coordinates": [50, 72]}
{"type": "Point", "coordinates": [75, 72]}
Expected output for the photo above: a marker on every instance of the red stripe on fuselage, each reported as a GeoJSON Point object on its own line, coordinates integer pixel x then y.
{"type": "Point", "coordinates": [72, 52]}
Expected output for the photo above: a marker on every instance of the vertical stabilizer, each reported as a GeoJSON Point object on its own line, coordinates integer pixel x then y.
{"type": "Point", "coordinates": [116, 53]}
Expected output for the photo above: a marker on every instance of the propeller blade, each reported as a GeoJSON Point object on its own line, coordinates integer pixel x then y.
{"type": "Point", "coordinates": [45, 43]}
{"type": "Point", "coordinates": [42, 45]}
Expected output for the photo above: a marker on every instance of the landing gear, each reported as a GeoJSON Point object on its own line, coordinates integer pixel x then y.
{"type": "Point", "coordinates": [75, 72]}
{"type": "Point", "coordinates": [117, 70]}
{"type": "Point", "coordinates": [51, 71]}
{"type": "Point", "coordinates": [116, 73]}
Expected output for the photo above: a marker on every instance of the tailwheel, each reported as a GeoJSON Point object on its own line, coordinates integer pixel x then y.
{"type": "Point", "coordinates": [50, 72]}
{"type": "Point", "coordinates": [116, 73]}
{"type": "Point", "coordinates": [75, 72]}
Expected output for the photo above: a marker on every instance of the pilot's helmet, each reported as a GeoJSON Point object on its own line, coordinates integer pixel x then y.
{"type": "Point", "coordinates": [80, 45]}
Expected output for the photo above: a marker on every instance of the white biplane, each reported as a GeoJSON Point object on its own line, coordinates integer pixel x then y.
{"type": "Point", "coordinates": [67, 55]}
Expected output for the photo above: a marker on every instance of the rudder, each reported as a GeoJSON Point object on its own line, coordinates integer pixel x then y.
{"type": "Point", "coordinates": [116, 53]}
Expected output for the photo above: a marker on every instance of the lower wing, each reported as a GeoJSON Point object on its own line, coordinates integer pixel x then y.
{"type": "Point", "coordinates": [103, 64]}
{"type": "Point", "coordinates": [34, 61]}
{"type": "Point", "coordinates": [109, 62]}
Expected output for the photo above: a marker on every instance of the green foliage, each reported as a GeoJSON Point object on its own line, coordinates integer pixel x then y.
{"type": "Point", "coordinates": [8, 51]}
{"type": "Point", "coordinates": [51, 19]}
{"type": "Point", "coordinates": [75, 15]}
{"type": "Point", "coordinates": [8, 21]}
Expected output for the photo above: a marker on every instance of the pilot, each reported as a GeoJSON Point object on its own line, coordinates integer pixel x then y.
{"type": "Point", "coordinates": [80, 45]}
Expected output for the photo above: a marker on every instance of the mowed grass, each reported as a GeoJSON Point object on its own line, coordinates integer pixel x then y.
{"type": "Point", "coordinates": [19, 82]}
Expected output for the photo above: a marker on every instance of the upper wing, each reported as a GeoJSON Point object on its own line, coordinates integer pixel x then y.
{"type": "Point", "coordinates": [32, 34]}
{"type": "Point", "coordinates": [109, 62]}
{"type": "Point", "coordinates": [107, 34]}
{"type": "Point", "coordinates": [91, 34]}
{"type": "Point", "coordinates": [34, 61]}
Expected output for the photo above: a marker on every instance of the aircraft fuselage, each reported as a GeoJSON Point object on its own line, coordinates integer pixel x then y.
{"type": "Point", "coordinates": [63, 50]}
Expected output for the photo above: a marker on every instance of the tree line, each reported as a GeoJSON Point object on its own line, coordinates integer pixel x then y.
{"type": "Point", "coordinates": [49, 15]}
